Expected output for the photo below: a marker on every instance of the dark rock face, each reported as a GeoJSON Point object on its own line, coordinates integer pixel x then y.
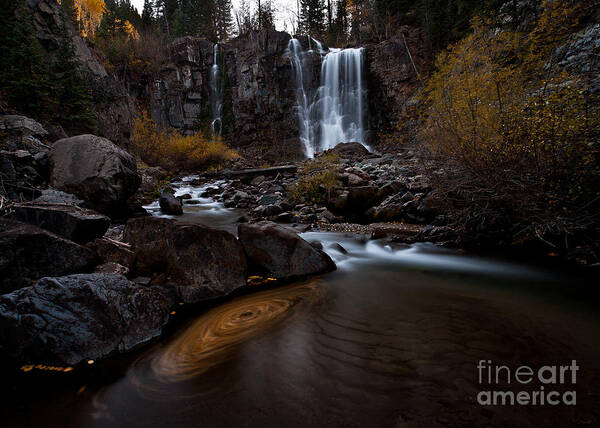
{"type": "Point", "coordinates": [95, 170]}
{"type": "Point", "coordinates": [67, 320]}
{"type": "Point", "coordinates": [392, 79]}
{"type": "Point", "coordinates": [259, 98]}
{"type": "Point", "coordinates": [280, 252]}
{"type": "Point", "coordinates": [169, 204]}
{"type": "Point", "coordinates": [203, 262]}
{"type": "Point", "coordinates": [28, 253]}
{"type": "Point", "coordinates": [115, 114]}
{"type": "Point", "coordinates": [69, 221]}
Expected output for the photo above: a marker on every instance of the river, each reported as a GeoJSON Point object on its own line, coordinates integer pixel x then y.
{"type": "Point", "coordinates": [392, 338]}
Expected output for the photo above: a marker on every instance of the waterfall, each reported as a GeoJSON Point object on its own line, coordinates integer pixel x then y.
{"type": "Point", "coordinates": [341, 97]}
{"type": "Point", "coordinates": [335, 112]}
{"type": "Point", "coordinates": [216, 95]}
{"type": "Point", "coordinates": [301, 65]}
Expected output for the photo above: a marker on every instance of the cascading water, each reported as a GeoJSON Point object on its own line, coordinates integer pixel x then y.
{"type": "Point", "coordinates": [302, 65]}
{"type": "Point", "coordinates": [335, 112]}
{"type": "Point", "coordinates": [216, 94]}
{"type": "Point", "coordinates": [341, 98]}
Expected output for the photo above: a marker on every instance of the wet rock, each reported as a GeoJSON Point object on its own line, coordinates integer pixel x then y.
{"type": "Point", "coordinates": [77, 224]}
{"type": "Point", "coordinates": [203, 262]}
{"type": "Point", "coordinates": [280, 252]}
{"type": "Point", "coordinates": [28, 253]}
{"type": "Point", "coordinates": [70, 319]}
{"type": "Point", "coordinates": [96, 170]}
{"type": "Point", "coordinates": [349, 150]}
{"type": "Point", "coordinates": [169, 204]}
{"type": "Point", "coordinates": [337, 247]}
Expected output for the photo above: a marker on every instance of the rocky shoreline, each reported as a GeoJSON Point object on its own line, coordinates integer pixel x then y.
{"type": "Point", "coordinates": [86, 273]}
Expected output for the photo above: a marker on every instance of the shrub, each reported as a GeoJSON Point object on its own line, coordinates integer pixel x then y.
{"type": "Point", "coordinates": [173, 151]}
{"type": "Point", "coordinates": [513, 129]}
{"type": "Point", "coordinates": [314, 188]}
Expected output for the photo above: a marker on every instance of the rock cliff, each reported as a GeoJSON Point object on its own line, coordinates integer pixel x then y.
{"type": "Point", "coordinates": [114, 109]}
{"type": "Point", "coordinates": [259, 112]}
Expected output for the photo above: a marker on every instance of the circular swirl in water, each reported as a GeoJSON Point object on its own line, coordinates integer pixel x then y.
{"type": "Point", "coordinates": [210, 339]}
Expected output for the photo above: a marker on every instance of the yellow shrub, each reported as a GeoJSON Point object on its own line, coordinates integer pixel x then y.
{"type": "Point", "coordinates": [497, 108]}
{"type": "Point", "coordinates": [171, 150]}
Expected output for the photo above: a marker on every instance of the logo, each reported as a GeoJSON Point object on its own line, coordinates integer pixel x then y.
{"type": "Point", "coordinates": [546, 385]}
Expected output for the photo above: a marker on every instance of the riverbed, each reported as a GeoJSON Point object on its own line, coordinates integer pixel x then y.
{"type": "Point", "coordinates": [392, 338]}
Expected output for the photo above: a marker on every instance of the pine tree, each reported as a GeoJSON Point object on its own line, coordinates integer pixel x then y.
{"type": "Point", "coordinates": [148, 15]}
{"type": "Point", "coordinates": [312, 17]}
{"type": "Point", "coordinates": [24, 77]}
{"type": "Point", "coordinates": [72, 91]}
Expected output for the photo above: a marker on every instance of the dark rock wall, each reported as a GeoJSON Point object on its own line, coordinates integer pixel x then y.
{"type": "Point", "coordinates": [259, 92]}
{"type": "Point", "coordinates": [114, 109]}
{"type": "Point", "coordinates": [392, 80]}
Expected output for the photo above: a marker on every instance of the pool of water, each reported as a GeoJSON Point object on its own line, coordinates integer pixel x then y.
{"type": "Point", "coordinates": [392, 338]}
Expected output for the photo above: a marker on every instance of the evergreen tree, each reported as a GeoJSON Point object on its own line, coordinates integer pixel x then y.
{"type": "Point", "coordinates": [312, 17]}
{"type": "Point", "coordinates": [72, 91]}
{"type": "Point", "coordinates": [148, 15]}
{"type": "Point", "coordinates": [24, 77]}
{"type": "Point", "coordinates": [223, 19]}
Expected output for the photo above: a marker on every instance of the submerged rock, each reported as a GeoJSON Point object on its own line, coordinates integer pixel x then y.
{"type": "Point", "coordinates": [96, 170]}
{"type": "Point", "coordinates": [28, 253]}
{"type": "Point", "coordinates": [69, 221]}
{"type": "Point", "coordinates": [169, 204]}
{"type": "Point", "coordinates": [67, 320]}
{"type": "Point", "coordinates": [280, 252]}
{"type": "Point", "coordinates": [204, 263]}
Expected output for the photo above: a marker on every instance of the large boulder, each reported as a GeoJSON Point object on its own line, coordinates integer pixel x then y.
{"type": "Point", "coordinates": [204, 263]}
{"type": "Point", "coordinates": [67, 320]}
{"type": "Point", "coordinates": [94, 169]}
{"type": "Point", "coordinates": [28, 253]}
{"type": "Point", "coordinates": [77, 224]}
{"type": "Point", "coordinates": [278, 251]}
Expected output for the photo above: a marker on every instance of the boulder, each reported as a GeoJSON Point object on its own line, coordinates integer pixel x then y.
{"type": "Point", "coordinates": [96, 170]}
{"type": "Point", "coordinates": [169, 204]}
{"type": "Point", "coordinates": [22, 133]}
{"type": "Point", "coordinates": [28, 253]}
{"type": "Point", "coordinates": [349, 150]}
{"type": "Point", "coordinates": [111, 251]}
{"type": "Point", "coordinates": [53, 196]}
{"type": "Point", "coordinates": [279, 251]}
{"type": "Point", "coordinates": [204, 263]}
{"type": "Point", "coordinates": [70, 319]}
{"type": "Point", "coordinates": [353, 200]}
{"type": "Point", "coordinates": [77, 224]}
{"type": "Point", "coordinates": [392, 208]}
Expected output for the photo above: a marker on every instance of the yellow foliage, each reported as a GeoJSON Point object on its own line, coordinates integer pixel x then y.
{"type": "Point", "coordinates": [88, 14]}
{"type": "Point", "coordinates": [171, 150]}
{"type": "Point", "coordinates": [495, 104]}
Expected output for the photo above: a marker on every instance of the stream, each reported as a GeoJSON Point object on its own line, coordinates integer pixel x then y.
{"type": "Point", "coordinates": [392, 338]}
